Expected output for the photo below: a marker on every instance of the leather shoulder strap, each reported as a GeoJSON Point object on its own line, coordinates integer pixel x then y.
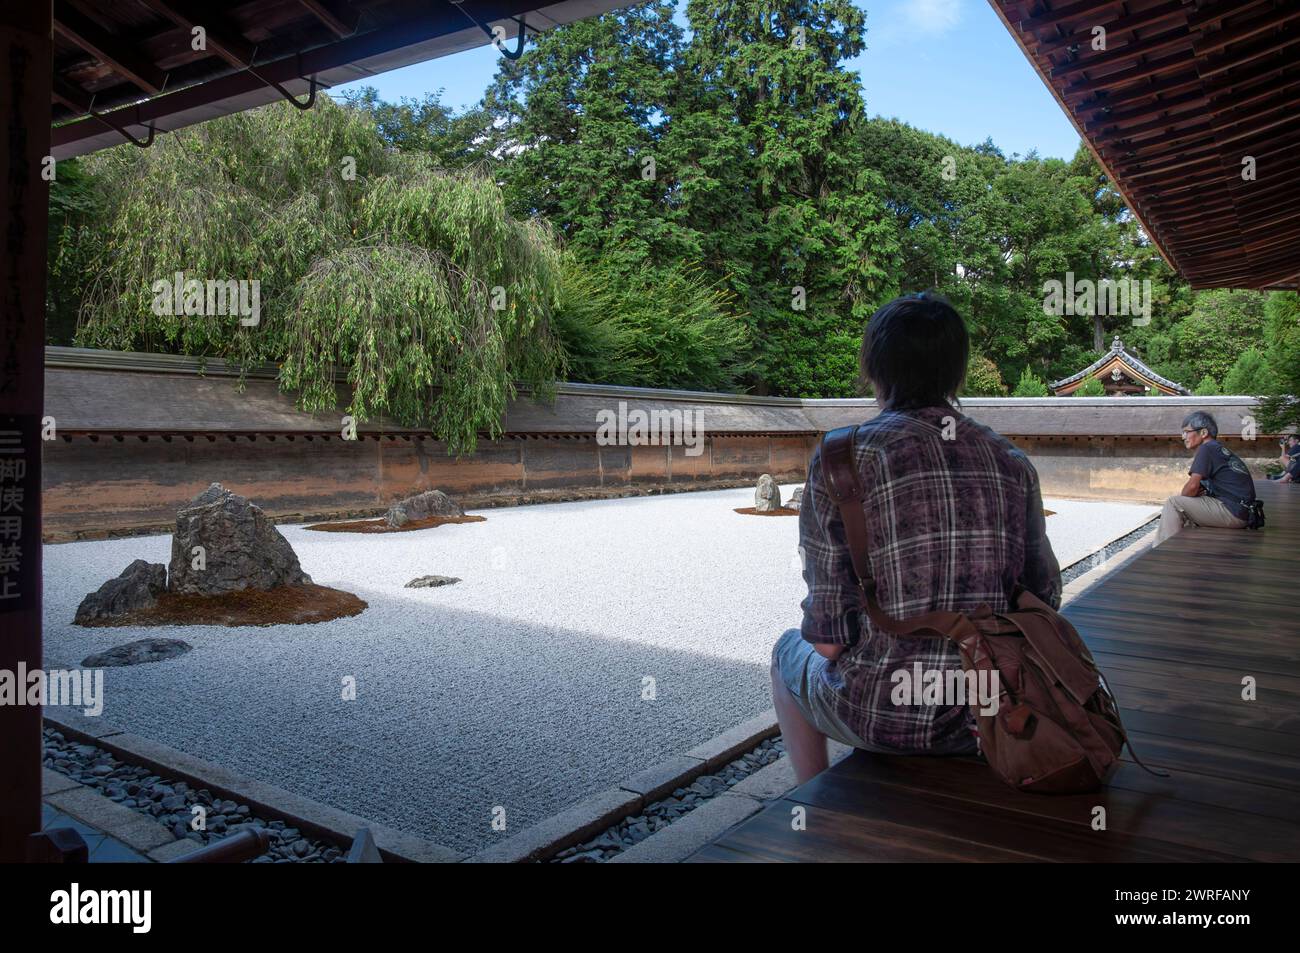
{"type": "Point", "coordinates": [840, 474]}
{"type": "Point", "coordinates": [844, 486]}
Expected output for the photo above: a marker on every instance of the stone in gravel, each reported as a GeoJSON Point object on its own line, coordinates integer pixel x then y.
{"type": "Point", "coordinates": [138, 587]}
{"type": "Point", "coordinates": [138, 652]}
{"type": "Point", "coordinates": [425, 582]}
{"type": "Point", "coordinates": [100, 770]}
{"type": "Point", "coordinates": [767, 495]}
{"type": "Point", "coordinates": [796, 498]}
{"type": "Point", "coordinates": [589, 857]}
{"type": "Point", "coordinates": [242, 549]}
{"type": "Point", "coordinates": [422, 506]}
{"type": "Point", "coordinates": [301, 848]}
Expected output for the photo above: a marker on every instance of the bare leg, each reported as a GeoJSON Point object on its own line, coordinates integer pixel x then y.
{"type": "Point", "coordinates": [804, 743]}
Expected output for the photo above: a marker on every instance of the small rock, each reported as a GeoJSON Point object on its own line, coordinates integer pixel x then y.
{"type": "Point", "coordinates": [422, 506]}
{"type": "Point", "coordinates": [137, 653]}
{"type": "Point", "coordinates": [138, 587]}
{"type": "Point", "coordinates": [425, 582]}
{"type": "Point", "coordinates": [767, 495]}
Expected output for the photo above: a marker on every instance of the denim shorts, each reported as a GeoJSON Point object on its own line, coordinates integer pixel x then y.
{"type": "Point", "coordinates": [803, 671]}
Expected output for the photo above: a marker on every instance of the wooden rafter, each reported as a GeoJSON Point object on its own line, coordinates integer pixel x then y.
{"type": "Point", "coordinates": [1182, 95]}
{"type": "Point", "coordinates": [339, 15]}
{"type": "Point", "coordinates": [222, 38]}
{"type": "Point", "coordinates": [114, 52]}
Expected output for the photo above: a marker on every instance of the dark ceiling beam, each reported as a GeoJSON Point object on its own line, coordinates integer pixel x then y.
{"type": "Point", "coordinates": [73, 26]}
{"type": "Point", "coordinates": [75, 98]}
{"type": "Point", "coordinates": [339, 15]}
{"type": "Point", "coordinates": [222, 37]}
{"type": "Point", "coordinates": [203, 101]}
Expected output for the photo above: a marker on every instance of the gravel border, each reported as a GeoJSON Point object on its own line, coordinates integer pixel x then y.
{"type": "Point", "coordinates": [1109, 551]}
{"type": "Point", "coordinates": [170, 802]}
{"type": "Point", "coordinates": [654, 817]}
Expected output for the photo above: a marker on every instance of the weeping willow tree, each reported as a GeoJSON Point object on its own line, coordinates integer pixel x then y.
{"type": "Point", "coordinates": [417, 282]}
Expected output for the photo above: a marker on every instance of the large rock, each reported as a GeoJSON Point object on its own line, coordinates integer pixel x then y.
{"type": "Point", "coordinates": [137, 588]}
{"type": "Point", "coordinates": [137, 653]}
{"type": "Point", "coordinates": [796, 498]}
{"type": "Point", "coordinates": [767, 496]}
{"type": "Point", "coordinates": [422, 506]}
{"type": "Point", "coordinates": [242, 549]}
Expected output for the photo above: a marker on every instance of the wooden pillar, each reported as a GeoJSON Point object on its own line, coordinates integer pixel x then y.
{"type": "Point", "coordinates": [25, 82]}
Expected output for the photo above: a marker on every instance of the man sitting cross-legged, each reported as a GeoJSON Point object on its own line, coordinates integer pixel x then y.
{"type": "Point", "coordinates": [1218, 486]}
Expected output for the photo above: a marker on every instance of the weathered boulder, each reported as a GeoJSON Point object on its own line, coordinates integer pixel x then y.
{"type": "Point", "coordinates": [429, 582]}
{"type": "Point", "coordinates": [137, 653]}
{"type": "Point", "coordinates": [242, 549]}
{"type": "Point", "coordinates": [422, 506]}
{"type": "Point", "coordinates": [767, 496]}
{"type": "Point", "coordinates": [137, 588]}
{"type": "Point", "coordinates": [796, 498]}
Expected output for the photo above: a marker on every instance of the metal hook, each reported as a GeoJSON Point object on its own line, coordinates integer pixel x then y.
{"type": "Point", "coordinates": [292, 100]}
{"type": "Point", "coordinates": [289, 97]}
{"type": "Point", "coordinates": [142, 143]}
{"type": "Point", "coordinates": [523, 37]}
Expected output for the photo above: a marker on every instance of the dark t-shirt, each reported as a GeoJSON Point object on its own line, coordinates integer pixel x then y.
{"type": "Point", "coordinates": [1229, 476]}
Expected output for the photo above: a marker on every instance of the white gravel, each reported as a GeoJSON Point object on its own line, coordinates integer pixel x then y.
{"type": "Point", "coordinates": [521, 686]}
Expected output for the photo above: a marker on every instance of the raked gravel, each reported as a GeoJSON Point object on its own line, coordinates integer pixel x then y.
{"type": "Point", "coordinates": [525, 686]}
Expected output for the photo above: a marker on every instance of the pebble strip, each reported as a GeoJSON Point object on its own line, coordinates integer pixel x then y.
{"type": "Point", "coordinates": [171, 802]}
{"type": "Point", "coordinates": [632, 830]}
{"type": "Point", "coordinates": [1108, 551]}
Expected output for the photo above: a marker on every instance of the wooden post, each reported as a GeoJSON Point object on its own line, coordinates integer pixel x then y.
{"type": "Point", "coordinates": [25, 83]}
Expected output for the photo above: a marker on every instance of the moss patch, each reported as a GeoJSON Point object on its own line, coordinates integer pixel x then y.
{"type": "Point", "coordinates": [284, 605]}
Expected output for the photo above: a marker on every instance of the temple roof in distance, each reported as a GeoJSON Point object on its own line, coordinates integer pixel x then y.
{"type": "Point", "coordinates": [1118, 359]}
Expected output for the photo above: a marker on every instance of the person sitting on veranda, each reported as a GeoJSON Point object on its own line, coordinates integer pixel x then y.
{"type": "Point", "coordinates": [955, 519]}
{"type": "Point", "coordinates": [1290, 460]}
{"type": "Point", "coordinates": [1218, 484]}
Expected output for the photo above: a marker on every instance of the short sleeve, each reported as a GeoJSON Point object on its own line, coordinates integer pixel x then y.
{"type": "Point", "coordinates": [831, 608]}
{"type": "Point", "coordinates": [1202, 461]}
{"type": "Point", "coordinates": [1042, 572]}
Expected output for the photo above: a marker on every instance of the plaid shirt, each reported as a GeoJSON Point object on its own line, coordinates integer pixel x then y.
{"type": "Point", "coordinates": [951, 523]}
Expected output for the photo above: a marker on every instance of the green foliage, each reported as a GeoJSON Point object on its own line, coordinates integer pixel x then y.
{"type": "Point", "coordinates": [1208, 387]}
{"type": "Point", "coordinates": [1222, 324]}
{"type": "Point", "coordinates": [1030, 385]}
{"type": "Point", "coordinates": [1090, 388]}
{"type": "Point", "coordinates": [983, 378]}
{"type": "Point", "coordinates": [730, 217]}
{"type": "Point", "coordinates": [657, 327]}
{"type": "Point", "coordinates": [1280, 411]}
{"type": "Point", "coordinates": [389, 274]}
{"type": "Point", "coordinates": [74, 237]}
{"type": "Point", "coordinates": [1250, 375]}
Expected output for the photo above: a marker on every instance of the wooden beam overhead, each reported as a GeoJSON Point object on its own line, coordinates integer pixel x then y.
{"type": "Point", "coordinates": [339, 15]}
{"type": "Point", "coordinates": [123, 59]}
{"type": "Point", "coordinates": [221, 37]}
{"type": "Point", "coordinates": [1174, 111]}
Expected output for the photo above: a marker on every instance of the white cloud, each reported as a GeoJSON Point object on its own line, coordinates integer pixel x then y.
{"type": "Point", "coordinates": [933, 16]}
{"type": "Point", "coordinates": [908, 20]}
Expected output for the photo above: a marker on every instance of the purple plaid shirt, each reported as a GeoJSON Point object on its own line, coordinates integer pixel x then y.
{"type": "Point", "coordinates": [951, 523]}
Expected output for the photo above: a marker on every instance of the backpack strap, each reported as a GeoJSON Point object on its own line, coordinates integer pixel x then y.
{"type": "Point", "coordinates": [843, 485]}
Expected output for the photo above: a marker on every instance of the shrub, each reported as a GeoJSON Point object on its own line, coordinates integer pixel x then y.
{"type": "Point", "coordinates": [1090, 388]}
{"type": "Point", "coordinates": [1029, 385]}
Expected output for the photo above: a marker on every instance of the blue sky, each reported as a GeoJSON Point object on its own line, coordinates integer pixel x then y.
{"type": "Point", "coordinates": [948, 66]}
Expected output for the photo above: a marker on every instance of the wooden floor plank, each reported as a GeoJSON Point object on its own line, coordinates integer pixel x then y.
{"type": "Point", "coordinates": [1193, 825]}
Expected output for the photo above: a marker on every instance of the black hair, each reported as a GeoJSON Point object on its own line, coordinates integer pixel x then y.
{"type": "Point", "coordinates": [914, 352]}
